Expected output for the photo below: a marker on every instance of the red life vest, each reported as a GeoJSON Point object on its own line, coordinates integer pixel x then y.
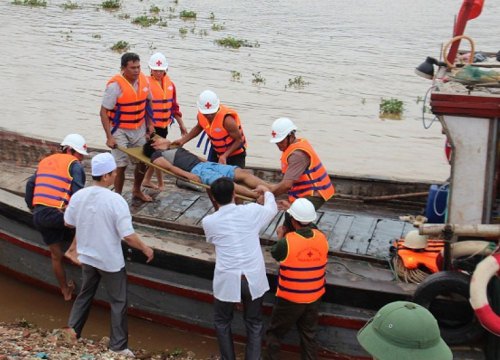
{"type": "Point", "coordinates": [314, 178]}
{"type": "Point", "coordinates": [163, 99]}
{"type": "Point", "coordinates": [302, 273]}
{"type": "Point", "coordinates": [53, 181]}
{"type": "Point", "coordinates": [218, 135]}
{"type": "Point", "coordinates": [130, 108]}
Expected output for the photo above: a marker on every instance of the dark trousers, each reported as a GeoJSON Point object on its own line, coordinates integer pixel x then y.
{"type": "Point", "coordinates": [115, 284]}
{"type": "Point", "coordinates": [285, 315]}
{"type": "Point", "coordinates": [252, 314]}
{"type": "Point", "coordinates": [236, 160]}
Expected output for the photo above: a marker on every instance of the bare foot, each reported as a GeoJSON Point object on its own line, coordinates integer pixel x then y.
{"type": "Point", "coordinates": [150, 185]}
{"type": "Point", "coordinates": [72, 255]}
{"type": "Point", "coordinates": [161, 187]}
{"type": "Point", "coordinates": [68, 290]}
{"type": "Point", "coordinates": [141, 196]}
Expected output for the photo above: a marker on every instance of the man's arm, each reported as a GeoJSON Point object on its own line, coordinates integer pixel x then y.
{"type": "Point", "coordinates": [282, 187]}
{"type": "Point", "coordinates": [298, 162]}
{"type": "Point", "coordinates": [106, 125]}
{"type": "Point", "coordinates": [176, 111]}
{"type": "Point", "coordinates": [234, 132]}
{"type": "Point", "coordinates": [78, 174]}
{"type": "Point", "coordinates": [167, 165]}
{"type": "Point", "coordinates": [190, 135]}
{"type": "Point", "coordinates": [134, 241]}
{"type": "Point", "coordinates": [30, 191]}
{"type": "Point", "coordinates": [279, 251]}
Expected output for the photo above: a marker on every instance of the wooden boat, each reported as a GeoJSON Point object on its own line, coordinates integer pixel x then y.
{"type": "Point", "coordinates": [175, 289]}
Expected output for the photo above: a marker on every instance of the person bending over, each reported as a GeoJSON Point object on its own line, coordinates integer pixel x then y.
{"type": "Point", "coordinates": [183, 163]}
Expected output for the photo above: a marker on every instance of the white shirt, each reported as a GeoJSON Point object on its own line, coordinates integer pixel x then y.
{"type": "Point", "coordinates": [102, 219]}
{"type": "Point", "coordinates": [234, 230]}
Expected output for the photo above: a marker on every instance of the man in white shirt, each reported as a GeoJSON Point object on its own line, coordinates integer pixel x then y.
{"type": "Point", "coordinates": [240, 273]}
{"type": "Point", "coordinates": [102, 219]}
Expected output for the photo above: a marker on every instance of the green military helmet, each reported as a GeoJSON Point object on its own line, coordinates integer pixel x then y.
{"type": "Point", "coordinates": [404, 331]}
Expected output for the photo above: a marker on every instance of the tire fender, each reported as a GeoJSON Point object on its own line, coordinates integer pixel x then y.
{"type": "Point", "coordinates": [485, 270]}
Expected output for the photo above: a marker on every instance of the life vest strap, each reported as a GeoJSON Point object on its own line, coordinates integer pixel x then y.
{"type": "Point", "coordinates": [283, 288]}
{"type": "Point", "coordinates": [57, 177]}
{"type": "Point", "coordinates": [286, 278]}
{"type": "Point", "coordinates": [314, 268]}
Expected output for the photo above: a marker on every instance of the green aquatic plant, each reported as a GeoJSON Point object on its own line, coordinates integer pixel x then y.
{"type": "Point", "coordinates": [391, 108]}
{"type": "Point", "coordinates": [232, 42]}
{"type": "Point", "coordinates": [145, 21]}
{"type": "Point", "coordinates": [217, 27]}
{"type": "Point", "coordinates": [124, 16]}
{"type": "Point", "coordinates": [32, 3]}
{"type": "Point", "coordinates": [154, 9]}
{"type": "Point", "coordinates": [111, 4]}
{"type": "Point", "coordinates": [297, 83]}
{"type": "Point", "coordinates": [186, 14]}
{"type": "Point", "coordinates": [120, 46]}
{"type": "Point", "coordinates": [212, 16]}
{"type": "Point", "coordinates": [235, 75]}
{"type": "Point", "coordinates": [258, 79]}
{"type": "Point", "coordinates": [97, 36]}
{"type": "Point", "coordinates": [70, 5]}
{"type": "Point", "coordinates": [183, 31]}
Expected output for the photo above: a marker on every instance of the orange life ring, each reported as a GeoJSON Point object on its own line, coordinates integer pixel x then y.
{"type": "Point", "coordinates": [485, 270]}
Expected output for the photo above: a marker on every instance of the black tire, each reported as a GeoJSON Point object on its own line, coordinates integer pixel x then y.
{"type": "Point", "coordinates": [468, 329]}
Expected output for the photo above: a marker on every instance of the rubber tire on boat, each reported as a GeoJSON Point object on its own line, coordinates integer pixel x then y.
{"type": "Point", "coordinates": [449, 282]}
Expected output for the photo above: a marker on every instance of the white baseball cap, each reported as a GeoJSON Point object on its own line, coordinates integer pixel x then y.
{"type": "Point", "coordinates": [103, 164]}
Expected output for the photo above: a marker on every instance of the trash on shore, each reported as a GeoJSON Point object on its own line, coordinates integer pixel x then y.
{"type": "Point", "coordinates": [23, 340]}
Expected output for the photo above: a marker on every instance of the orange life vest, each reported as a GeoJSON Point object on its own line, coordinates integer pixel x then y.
{"type": "Point", "coordinates": [218, 135]}
{"type": "Point", "coordinates": [53, 181]}
{"type": "Point", "coordinates": [415, 258]}
{"type": "Point", "coordinates": [302, 273]}
{"type": "Point", "coordinates": [163, 99]}
{"type": "Point", "coordinates": [314, 178]}
{"type": "Point", "coordinates": [130, 108]}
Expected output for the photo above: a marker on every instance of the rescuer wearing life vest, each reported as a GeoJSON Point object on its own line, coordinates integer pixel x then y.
{"type": "Point", "coordinates": [302, 254]}
{"type": "Point", "coordinates": [223, 127]}
{"type": "Point", "coordinates": [48, 191]}
{"type": "Point", "coordinates": [164, 108]}
{"type": "Point", "coordinates": [304, 174]}
{"type": "Point", "coordinates": [123, 117]}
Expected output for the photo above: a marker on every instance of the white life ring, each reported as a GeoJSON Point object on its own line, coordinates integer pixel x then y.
{"type": "Point", "coordinates": [485, 270]}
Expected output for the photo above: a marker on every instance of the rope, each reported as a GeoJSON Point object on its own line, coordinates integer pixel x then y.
{"type": "Point", "coordinates": [456, 38]}
{"type": "Point", "coordinates": [423, 109]}
{"type": "Point", "coordinates": [415, 276]}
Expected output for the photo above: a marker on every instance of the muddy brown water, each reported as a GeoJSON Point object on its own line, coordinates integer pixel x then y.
{"type": "Point", "coordinates": [55, 64]}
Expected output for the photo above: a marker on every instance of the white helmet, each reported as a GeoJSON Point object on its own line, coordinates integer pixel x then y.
{"type": "Point", "coordinates": [76, 142]}
{"type": "Point", "coordinates": [303, 211]}
{"type": "Point", "coordinates": [208, 102]}
{"type": "Point", "coordinates": [414, 240]}
{"type": "Point", "coordinates": [158, 61]}
{"type": "Point", "coordinates": [281, 128]}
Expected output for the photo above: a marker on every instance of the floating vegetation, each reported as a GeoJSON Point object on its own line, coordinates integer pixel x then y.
{"type": "Point", "coordinates": [171, 9]}
{"type": "Point", "coordinates": [69, 5]}
{"type": "Point", "coordinates": [217, 27]}
{"type": "Point", "coordinates": [120, 46]}
{"type": "Point", "coordinates": [32, 3]}
{"type": "Point", "coordinates": [176, 2]}
{"type": "Point", "coordinates": [145, 21]}
{"type": "Point", "coordinates": [363, 101]}
{"type": "Point", "coordinates": [97, 36]}
{"type": "Point", "coordinates": [111, 4]}
{"type": "Point", "coordinates": [154, 9]}
{"type": "Point", "coordinates": [391, 108]}
{"type": "Point", "coordinates": [258, 79]}
{"type": "Point", "coordinates": [162, 24]}
{"type": "Point", "coordinates": [297, 83]}
{"type": "Point", "coordinates": [203, 33]}
{"type": "Point", "coordinates": [193, 29]}
{"type": "Point", "coordinates": [183, 31]}
{"type": "Point", "coordinates": [212, 16]}
{"type": "Point", "coordinates": [235, 75]}
{"type": "Point", "coordinates": [124, 16]}
{"type": "Point", "coordinates": [186, 14]}
{"type": "Point", "coordinates": [234, 43]}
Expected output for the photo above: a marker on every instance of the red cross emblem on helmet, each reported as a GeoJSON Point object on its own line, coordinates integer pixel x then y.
{"type": "Point", "coordinates": [159, 63]}
{"type": "Point", "coordinates": [85, 147]}
{"type": "Point", "coordinates": [273, 134]}
{"type": "Point", "coordinates": [208, 105]}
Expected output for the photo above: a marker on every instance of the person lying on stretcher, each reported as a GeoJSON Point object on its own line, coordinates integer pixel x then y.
{"type": "Point", "coordinates": [182, 162]}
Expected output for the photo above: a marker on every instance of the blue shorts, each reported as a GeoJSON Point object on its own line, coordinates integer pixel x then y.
{"type": "Point", "coordinates": [208, 171]}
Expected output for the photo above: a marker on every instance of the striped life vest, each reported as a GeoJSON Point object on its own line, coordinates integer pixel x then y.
{"type": "Point", "coordinates": [218, 135]}
{"type": "Point", "coordinates": [130, 108]}
{"type": "Point", "coordinates": [415, 258]}
{"type": "Point", "coordinates": [314, 178]}
{"type": "Point", "coordinates": [302, 273]}
{"type": "Point", "coordinates": [163, 99]}
{"type": "Point", "coordinates": [53, 181]}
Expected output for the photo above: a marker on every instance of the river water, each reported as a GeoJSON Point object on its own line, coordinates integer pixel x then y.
{"type": "Point", "coordinates": [55, 64]}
